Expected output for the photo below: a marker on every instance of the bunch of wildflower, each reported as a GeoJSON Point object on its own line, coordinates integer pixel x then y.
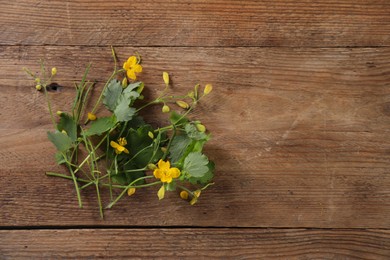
{"type": "Point", "coordinates": [136, 155]}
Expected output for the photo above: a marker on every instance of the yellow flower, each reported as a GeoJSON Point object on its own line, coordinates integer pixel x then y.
{"type": "Point", "coordinates": [91, 116]}
{"type": "Point", "coordinates": [130, 191]}
{"type": "Point", "coordinates": [119, 146]}
{"type": "Point", "coordinates": [184, 195]}
{"type": "Point", "coordinates": [165, 172]}
{"type": "Point", "coordinates": [131, 66]}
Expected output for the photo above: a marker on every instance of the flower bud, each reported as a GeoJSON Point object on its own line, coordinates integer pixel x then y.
{"type": "Point", "coordinates": [64, 132]}
{"type": "Point", "coordinates": [161, 193]}
{"type": "Point", "coordinates": [38, 80]}
{"type": "Point", "coordinates": [152, 166]}
{"type": "Point", "coordinates": [201, 128]}
{"type": "Point", "coordinates": [38, 87]}
{"type": "Point", "coordinates": [184, 195]}
{"type": "Point", "coordinates": [166, 78]}
{"type": "Point", "coordinates": [197, 193]}
{"type": "Point", "coordinates": [91, 117]}
{"type": "Point", "coordinates": [130, 191]}
{"type": "Point", "coordinates": [182, 104]}
{"type": "Point", "coordinates": [59, 113]}
{"type": "Point", "coordinates": [124, 82]}
{"type": "Point", "coordinates": [207, 89]}
{"type": "Point", "coordinates": [151, 135]}
{"type": "Point", "coordinates": [164, 149]}
{"type": "Point", "coordinates": [165, 109]}
{"type": "Point", "coordinates": [53, 71]}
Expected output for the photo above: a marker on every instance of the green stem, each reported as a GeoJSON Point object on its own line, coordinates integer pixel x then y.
{"type": "Point", "coordinates": [131, 186]}
{"type": "Point", "coordinates": [99, 199]}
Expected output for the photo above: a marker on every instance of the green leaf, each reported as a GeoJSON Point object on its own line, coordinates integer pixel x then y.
{"type": "Point", "coordinates": [193, 132]}
{"type": "Point", "coordinates": [68, 124]}
{"type": "Point", "coordinates": [112, 94]}
{"type": "Point", "coordinates": [179, 146]}
{"type": "Point", "coordinates": [207, 177]}
{"type": "Point", "coordinates": [195, 164]}
{"type": "Point", "coordinates": [177, 119]}
{"type": "Point", "coordinates": [100, 125]}
{"type": "Point", "coordinates": [59, 158]}
{"type": "Point", "coordinates": [122, 111]}
{"type": "Point", "coordinates": [61, 141]}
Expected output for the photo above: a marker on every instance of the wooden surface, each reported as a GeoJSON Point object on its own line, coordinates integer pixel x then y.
{"type": "Point", "coordinates": [300, 117]}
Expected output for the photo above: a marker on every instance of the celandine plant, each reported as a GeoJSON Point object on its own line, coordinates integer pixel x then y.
{"type": "Point", "coordinates": [122, 151]}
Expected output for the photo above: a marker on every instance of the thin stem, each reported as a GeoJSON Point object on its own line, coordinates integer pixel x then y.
{"type": "Point", "coordinates": [131, 186]}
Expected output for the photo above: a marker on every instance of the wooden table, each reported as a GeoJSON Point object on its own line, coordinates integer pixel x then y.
{"type": "Point", "coordinates": [300, 118]}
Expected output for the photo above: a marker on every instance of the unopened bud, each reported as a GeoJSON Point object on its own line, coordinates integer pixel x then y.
{"type": "Point", "coordinates": [59, 113]}
{"type": "Point", "coordinates": [38, 87]}
{"type": "Point", "coordinates": [184, 195]}
{"type": "Point", "coordinates": [152, 166]}
{"type": "Point", "coordinates": [64, 132]}
{"type": "Point", "coordinates": [151, 135]}
{"type": "Point", "coordinates": [164, 149]}
{"type": "Point", "coordinates": [182, 104]}
{"type": "Point", "coordinates": [53, 71]}
{"type": "Point", "coordinates": [38, 80]}
{"type": "Point", "coordinates": [91, 117]}
{"type": "Point", "coordinates": [130, 191]}
{"type": "Point", "coordinates": [165, 109]}
{"type": "Point", "coordinates": [124, 82]}
{"type": "Point", "coordinates": [201, 128]}
{"type": "Point", "coordinates": [166, 78]}
{"type": "Point", "coordinates": [207, 89]}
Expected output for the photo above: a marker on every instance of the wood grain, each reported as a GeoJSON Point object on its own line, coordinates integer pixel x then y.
{"type": "Point", "coordinates": [195, 243]}
{"type": "Point", "coordinates": [299, 137]}
{"type": "Point", "coordinates": [196, 23]}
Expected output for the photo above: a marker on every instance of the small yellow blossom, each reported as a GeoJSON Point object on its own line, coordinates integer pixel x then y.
{"type": "Point", "coordinates": [119, 146]}
{"type": "Point", "coordinates": [161, 193]}
{"type": "Point", "coordinates": [132, 67]}
{"type": "Point", "coordinates": [91, 117]}
{"type": "Point", "coordinates": [182, 104]}
{"type": "Point", "coordinates": [166, 78]}
{"type": "Point", "coordinates": [38, 87]}
{"type": "Point", "coordinates": [207, 89]}
{"type": "Point", "coordinates": [130, 191]}
{"type": "Point", "coordinates": [184, 195]}
{"type": "Point", "coordinates": [165, 109]}
{"type": "Point", "coordinates": [165, 172]}
{"type": "Point", "coordinates": [53, 71]}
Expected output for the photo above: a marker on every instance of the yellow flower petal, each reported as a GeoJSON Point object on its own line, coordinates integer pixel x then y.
{"type": "Point", "coordinates": [174, 172]}
{"type": "Point", "coordinates": [137, 68]}
{"type": "Point", "coordinates": [126, 151]}
{"type": "Point", "coordinates": [161, 193]}
{"type": "Point", "coordinates": [132, 60]}
{"type": "Point", "coordinates": [158, 173]}
{"type": "Point", "coordinates": [166, 178]}
{"type": "Point", "coordinates": [131, 74]}
{"type": "Point", "coordinates": [164, 165]}
{"type": "Point", "coordinates": [114, 144]}
{"type": "Point", "coordinates": [120, 148]}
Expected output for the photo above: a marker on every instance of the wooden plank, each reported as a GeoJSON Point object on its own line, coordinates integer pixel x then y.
{"type": "Point", "coordinates": [195, 243]}
{"type": "Point", "coordinates": [300, 138]}
{"type": "Point", "coordinates": [196, 23]}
